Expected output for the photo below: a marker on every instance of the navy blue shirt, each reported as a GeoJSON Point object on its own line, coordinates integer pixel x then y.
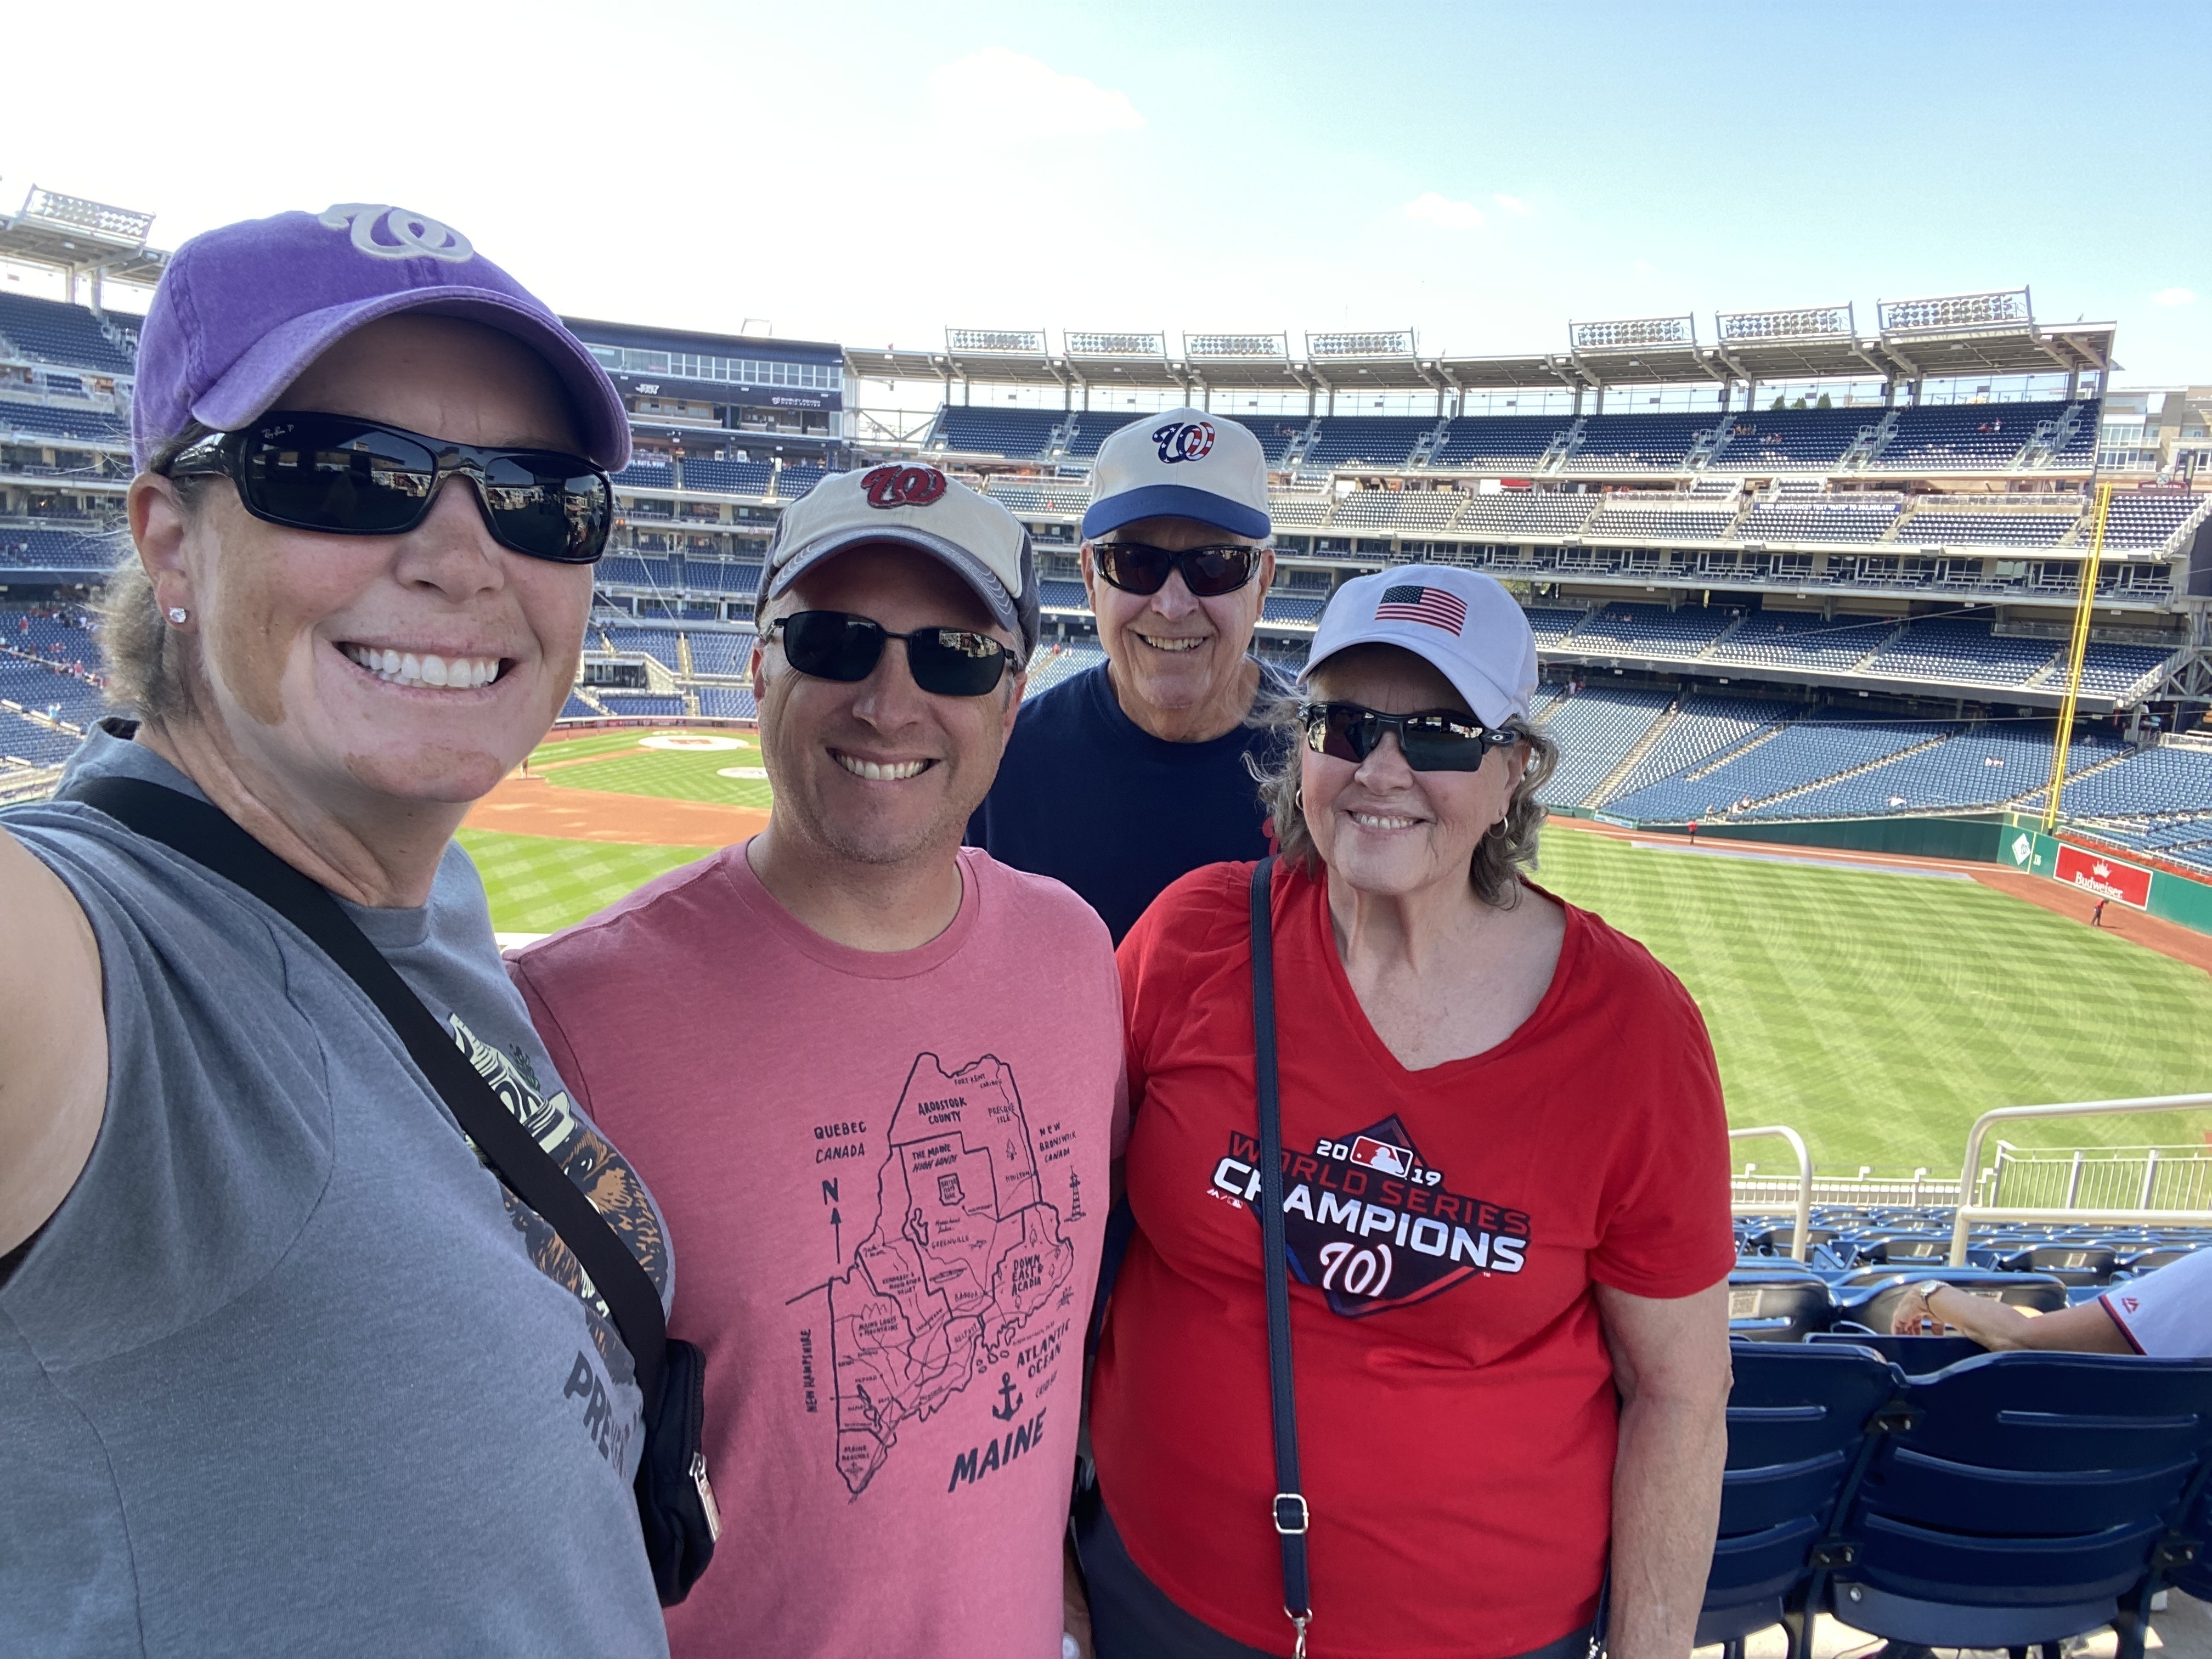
{"type": "Point", "coordinates": [1086, 796]}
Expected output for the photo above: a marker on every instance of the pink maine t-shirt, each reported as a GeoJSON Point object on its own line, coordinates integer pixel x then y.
{"type": "Point", "coordinates": [886, 1176]}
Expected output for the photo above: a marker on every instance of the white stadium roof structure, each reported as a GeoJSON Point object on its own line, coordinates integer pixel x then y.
{"type": "Point", "coordinates": [1945, 337]}
{"type": "Point", "coordinates": [82, 237]}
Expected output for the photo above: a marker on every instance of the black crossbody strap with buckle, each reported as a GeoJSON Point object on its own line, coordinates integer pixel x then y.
{"type": "Point", "coordinates": [675, 1501]}
{"type": "Point", "coordinates": [1290, 1513]}
{"type": "Point", "coordinates": [206, 835]}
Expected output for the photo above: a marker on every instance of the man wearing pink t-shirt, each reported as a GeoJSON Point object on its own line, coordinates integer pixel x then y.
{"type": "Point", "coordinates": [873, 1078]}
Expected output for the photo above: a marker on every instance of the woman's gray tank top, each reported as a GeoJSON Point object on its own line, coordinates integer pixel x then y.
{"type": "Point", "coordinates": [289, 1372]}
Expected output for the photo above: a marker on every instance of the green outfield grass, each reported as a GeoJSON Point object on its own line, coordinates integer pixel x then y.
{"type": "Point", "coordinates": [1878, 1014]}
{"type": "Point", "coordinates": [538, 883]}
{"type": "Point", "coordinates": [626, 769]}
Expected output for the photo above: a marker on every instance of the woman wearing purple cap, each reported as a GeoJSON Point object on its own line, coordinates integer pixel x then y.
{"type": "Point", "coordinates": [285, 1367]}
{"type": "Point", "coordinates": [1494, 1226]}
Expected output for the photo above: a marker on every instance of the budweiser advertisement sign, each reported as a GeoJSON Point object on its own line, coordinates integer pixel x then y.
{"type": "Point", "coordinates": [2107, 878]}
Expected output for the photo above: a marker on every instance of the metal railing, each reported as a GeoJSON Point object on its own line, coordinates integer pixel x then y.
{"type": "Point", "coordinates": [1803, 1204]}
{"type": "Point", "coordinates": [2119, 1177]}
{"type": "Point", "coordinates": [1969, 1212]}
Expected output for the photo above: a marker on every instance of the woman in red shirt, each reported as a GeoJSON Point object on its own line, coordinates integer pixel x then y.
{"type": "Point", "coordinates": [1505, 1198]}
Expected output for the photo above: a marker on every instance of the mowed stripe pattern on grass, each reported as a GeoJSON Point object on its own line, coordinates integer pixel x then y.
{"type": "Point", "coordinates": [538, 884]}
{"type": "Point", "coordinates": [1880, 1014]}
{"type": "Point", "coordinates": [672, 774]}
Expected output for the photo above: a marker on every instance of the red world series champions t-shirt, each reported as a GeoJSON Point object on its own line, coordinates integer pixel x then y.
{"type": "Point", "coordinates": [1456, 1410]}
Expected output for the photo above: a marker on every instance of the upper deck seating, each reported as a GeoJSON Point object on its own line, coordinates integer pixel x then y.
{"type": "Point", "coordinates": [1509, 512]}
{"type": "Point", "coordinates": [1399, 509]}
{"type": "Point", "coordinates": [1365, 440]}
{"type": "Point", "coordinates": [2136, 518]}
{"type": "Point", "coordinates": [1018, 434]}
{"type": "Point", "coordinates": [1638, 443]}
{"type": "Point", "coordinates": [1952, 648]}
{"type": "Point", "coordinates": [1679, 524]}
{"type": "Point", "coordinates": [1507, 442]}
{"type": "Point", "coordinates": [1962, 437]}
{"type": "Point", "coordinates": [794, 481]}
{"type": "Point", "coordinates": [1790, 439]}
{"type": "Point", "coordinates": [1988, 529]}
{"type": "Point", "coordinates": [645, 471]}
{"type": "Point", "coordinates": [1785, 639]}
{"type": "Point", "coordinates": [56, 332]}
{"type": "Point", "coordinates": [1821, 521]}
{"type": "Point", "coordinates": [731, 478]}
{"type": "Point", "coordinates": [1093, 427]}
{"type": "Point", "coordinates": [57, 549]}
{"type": "Point", "coordinates": [1650, 630]}
{"type": "Point", "coordinates": [45, 421]}
{"type": "Point", "coordinates": [1703, 728]}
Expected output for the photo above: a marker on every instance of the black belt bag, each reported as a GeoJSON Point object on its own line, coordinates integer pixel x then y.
{"type": "Point", "coordinates": [675, 1504]}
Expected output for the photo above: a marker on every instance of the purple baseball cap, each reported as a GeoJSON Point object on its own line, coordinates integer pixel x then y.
{"type": "Point", "coordinates": [242, 310]}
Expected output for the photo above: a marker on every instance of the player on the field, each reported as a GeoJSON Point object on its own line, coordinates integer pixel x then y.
{"type": "Point", "coordinates": [1134, 772]}
{"type": "Point", "coordinates": [871, 1076]}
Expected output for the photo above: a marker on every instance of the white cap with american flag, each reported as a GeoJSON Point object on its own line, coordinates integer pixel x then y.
{"type": "Point", "coordinates": [1461, 621]}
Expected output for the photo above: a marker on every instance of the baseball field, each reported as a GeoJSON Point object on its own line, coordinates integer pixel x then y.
{"type": "Point", "coordinates": [1876, 1007]}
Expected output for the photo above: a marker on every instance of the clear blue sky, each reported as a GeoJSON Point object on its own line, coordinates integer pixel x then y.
{"type": "Point", "coordinates": [872, 173]}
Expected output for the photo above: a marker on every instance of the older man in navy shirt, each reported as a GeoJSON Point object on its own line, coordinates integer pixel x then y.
{"type": "Point", "coordinates": [1132, 774]}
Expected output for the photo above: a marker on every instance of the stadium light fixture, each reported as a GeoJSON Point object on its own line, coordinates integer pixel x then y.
{"type": "Point", "coordinates": [1627, 333]}
{"type": "Point", "coordinates": [1273, 347]}
{"type": "Point", "coordinates": [1112, 342]}
{"type": "Point", "coordinates": [1836, 322]}
{"type": "Point", "coordinates": [1002, 342]}
{"type": "Point", "coordinates": [1362, 342]}
{"type": "Point", "coordinates": [2001, 308]}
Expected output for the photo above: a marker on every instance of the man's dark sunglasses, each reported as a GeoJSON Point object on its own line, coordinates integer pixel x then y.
{"type": "Point", "coordinates": [1208, 571]}
{"type": "Point", "coordinates": [346, 477]}
{"type": "Point", "coordinates": [1435, 740]}
{"type": "Point", "coordinates": [946, 662]}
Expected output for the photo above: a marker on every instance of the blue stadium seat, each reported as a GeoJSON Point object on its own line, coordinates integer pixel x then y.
{"type": "Point", "coordinates": [39, 421]}
{"type": "Point", "coordinates": [1963, 437]}
{"type": "Point", "coordinates": [730, 478]}
{"type": "Point", "coordinates": [1016, 434]}
{"type": "Point", "coordinates": [1364, 441]}
{"type": "Point", "coordinates": [57, 332]}
{"type": "Point", "coordinates": [1798, 1441]}
{"type": "Point", "coordinates": [1791, 440]}
{"type": "Point", "coordinates": [1628, 443]}
{"type": "Point", "coordinates": [2024, 1502]}
{"type": "Point", "coordinates": [1506, 442]}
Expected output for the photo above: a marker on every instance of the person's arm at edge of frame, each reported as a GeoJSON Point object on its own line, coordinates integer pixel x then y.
{"type": "Point", "coordinates": [53, 1043]}
{"type": "Point", "coordinates": [1670, 1361]}
{"type": "Point", "coordinates": [2085, 1327]}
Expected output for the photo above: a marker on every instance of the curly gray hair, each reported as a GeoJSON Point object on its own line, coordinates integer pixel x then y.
{"type": "Point", "coordinates": [1499, 856]}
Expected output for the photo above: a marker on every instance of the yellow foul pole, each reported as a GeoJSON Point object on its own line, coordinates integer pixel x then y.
{"type": "Point", "coordinates": [2084, 608]}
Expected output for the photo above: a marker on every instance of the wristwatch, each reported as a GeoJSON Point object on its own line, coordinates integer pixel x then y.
{"type": "Point", "coordinates": [1928, 1287]}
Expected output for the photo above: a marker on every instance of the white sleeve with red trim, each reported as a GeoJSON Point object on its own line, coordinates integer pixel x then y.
{"type": "Point", "coordinates": [2167, 1313]}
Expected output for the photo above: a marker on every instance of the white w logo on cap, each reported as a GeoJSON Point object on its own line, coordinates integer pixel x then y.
{"type": "Point", "coordinates": [413, 235]}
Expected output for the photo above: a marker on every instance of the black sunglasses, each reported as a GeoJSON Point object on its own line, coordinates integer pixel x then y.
{"type": "Point", "coordinates": [946, 662]}
{"type": "Point", "coordinates": [1208, 571]}
{"type": "Point", "coordinates": [343, 475]}
{"type": "Point", "coordinates": [1435, 740]}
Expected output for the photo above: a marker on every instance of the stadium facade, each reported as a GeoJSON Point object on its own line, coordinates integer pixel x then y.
{"type": "Point", "coordinates": [1781, 565]}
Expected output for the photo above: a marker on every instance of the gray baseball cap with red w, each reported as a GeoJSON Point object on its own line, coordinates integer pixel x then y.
{"type": "Point", "coordinates": [242, 310]}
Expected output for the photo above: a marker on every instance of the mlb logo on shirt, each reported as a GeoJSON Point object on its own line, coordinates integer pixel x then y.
{"type": "Point", "coordinates": [1382, 1155]}
{"type": "Point", "coordinates": [1410, 602]}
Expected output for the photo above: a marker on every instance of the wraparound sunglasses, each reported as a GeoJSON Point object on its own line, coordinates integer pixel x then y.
{"type": "Point", "coordinates": [1208, 571]}
{"type": "Point", "coordinates": [835, 645]}
{"type": "Point", "coordinates": [1435, 740]}
{"type": "Point", "coordinates": [342, 475]}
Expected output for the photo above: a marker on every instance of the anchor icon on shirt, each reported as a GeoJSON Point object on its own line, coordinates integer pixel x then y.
{"type": "Point", "coordinates": [1009, 1398]}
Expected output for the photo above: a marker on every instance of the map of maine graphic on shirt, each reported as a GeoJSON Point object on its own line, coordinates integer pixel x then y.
{"type": "Point", "coordinates": [963, 1254]}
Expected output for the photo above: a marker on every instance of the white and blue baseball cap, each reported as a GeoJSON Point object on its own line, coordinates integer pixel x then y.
{"type": "Point", "coordinates": [1461, 622]}
{"type": "Point", "coordinates": [1181, 464]}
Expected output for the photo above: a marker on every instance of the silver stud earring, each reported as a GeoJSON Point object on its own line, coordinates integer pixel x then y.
{"type": "Point", "coordinates": [178, 615]}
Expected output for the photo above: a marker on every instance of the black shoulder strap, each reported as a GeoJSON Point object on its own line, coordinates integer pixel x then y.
{"type": "Point", "coordinates": [1291, 1513]}
{"type": "Point", "coordinates": [204, 835]}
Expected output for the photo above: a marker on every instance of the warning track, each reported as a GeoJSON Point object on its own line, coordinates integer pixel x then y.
{"type": "Point", "coordinates": [532, 806]}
